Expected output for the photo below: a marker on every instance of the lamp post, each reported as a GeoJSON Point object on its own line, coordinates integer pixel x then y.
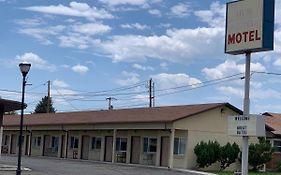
{"type": "Point", "coordinates": [24, 68]}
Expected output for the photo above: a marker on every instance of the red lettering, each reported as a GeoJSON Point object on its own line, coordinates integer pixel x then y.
{"type": "Point", "coordinates": [238, 38]}
{"type": "Point", "coordinates": [257, 35]}
{"type": "Point", "coordinates": [231, 39]}
{"type": "Point", "coordinates": [245, 36]}
{"type": "Point", "coordinates": [251, 36]}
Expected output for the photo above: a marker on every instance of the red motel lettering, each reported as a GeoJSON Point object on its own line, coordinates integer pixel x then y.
{"type": "Point", "coordinates": [249, 36]}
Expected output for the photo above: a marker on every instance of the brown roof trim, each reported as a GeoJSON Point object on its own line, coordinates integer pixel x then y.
{"type": "Point", "coordinates": [162, 114]}
{"type": "Point", "coordinates": [10, 105]}
{"type": "Point", "coordinates": [219, 105]}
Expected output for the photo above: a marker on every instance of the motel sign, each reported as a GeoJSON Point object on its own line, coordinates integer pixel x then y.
{"type": "Point", "coordinates": [249, 26]}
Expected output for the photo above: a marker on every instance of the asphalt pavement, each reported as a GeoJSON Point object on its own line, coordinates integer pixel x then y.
{"type": "Point", "coordinates": [54, 166]}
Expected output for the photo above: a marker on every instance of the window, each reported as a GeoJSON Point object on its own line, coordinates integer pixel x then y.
{"type": "Point", "coordinates": [96, 143]}
{"type": "Point", "coordinates": [121, 144]}
{"type": "Point", "coordinates": [74, 141]}
{"type": "Point", "coordinates": [149, 145]}
{"type": "Point", "coordinates": [277, 145]}
{"type": "Point", "coordinates": [179, 146]}
{"type": "Point", "coordinates": [55, 143]}
{"type": "Point", "coordinates": [36, 141]}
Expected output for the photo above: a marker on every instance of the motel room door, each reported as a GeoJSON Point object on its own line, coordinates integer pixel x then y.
{"type": "Point", "coordinates": [14, 142]}
{"type": "Point", "coordinates": [108, 148]}
{"type": "Point", "coordinates": [85, 147]}
{"type": "Point", "coordinates": [135, 151]}
{"type": "Point", "coordinates": [164, 151]}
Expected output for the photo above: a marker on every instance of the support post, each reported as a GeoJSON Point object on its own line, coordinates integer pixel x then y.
{"type": "Point", "coordinates": [246, 108]}
{"type": "Point", "coordinates": [171, 150]}
{"type": "Point", "coordinates": [30, 143]}
{"type": "Point", "coordinates": [65, 144]}
{"type": "Point", "coordinates": [114, 145]}
{"type": "Point", "coordinates": [150, 93]}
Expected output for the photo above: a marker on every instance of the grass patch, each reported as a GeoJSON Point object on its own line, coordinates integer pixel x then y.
{"type": "Point", "coordinates": [250, 173]}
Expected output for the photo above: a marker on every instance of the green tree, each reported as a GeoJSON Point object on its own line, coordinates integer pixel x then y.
{"type": "Point", "coordinates": [41, 107]}
{"type": "Point", "coordinates": [207, 153]}
{"type": "Point", "coordinates": [260, 154]}
{"type": "Point", "coordinates": [228, 155]}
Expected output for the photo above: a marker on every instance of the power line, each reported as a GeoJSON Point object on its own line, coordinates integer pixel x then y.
{"type": "Point", "coordinates": [206, 85]}
{"type": "Point", "coordinates": [66, 99]}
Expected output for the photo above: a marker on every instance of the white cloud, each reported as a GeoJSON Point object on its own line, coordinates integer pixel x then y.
{"type": "Point", "coordinates": [29, 22]}
{"type": "Point", "coordinates": [277, 62]}
{"type": "Point", "coordinates": [36, 61]}
{"type": "Point", "coordinates": [75, 9]}
{"type": "Point", "coordinates": [215, 16]}
{"type": "Point", "coordinates": [42, 34]}
{"type": "Point", "coordinates": [141, 67]}
{"type": "Point", "coordinates": [155, 12]}
{"type": "Point", "coordinates": [164, 65]}
{"type": "Point", "coordinates": [130, 79]}
{"type": "Point", "coordinates": [60, 84]}
{"type": "Point", "coordinates": [75, 40]}
{"type": "Point", "coordinates": [81, 69]}
{"type": "Point", "coordinates": [180, 10]}
{"type": "Point", "coordinates": [137, 26]}
{"type": "Point", "coordinates": [178, 45]}
{"type": "Point", "coordinates": [260, 94]}
{"type": "Point", "coordinates": [231, 91]}
{"type": "Point", "coordinates": [165, 80]}
{"type": "Point", "coordinates": [230, 67]}
{"type": "Point", "coordinates": [91, 28]}
{"type": "Point", "coordinates": [124, 2]}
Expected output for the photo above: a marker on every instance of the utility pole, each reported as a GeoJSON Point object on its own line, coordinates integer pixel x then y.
{"type": "Point", "coordinates": [150, 92]}
{"type": "Point", "coordinates": [153, 85]}
{"type": "Point", "coordinates": [109, 102]}
{"type": "Point", "coordinates": [49, 97]}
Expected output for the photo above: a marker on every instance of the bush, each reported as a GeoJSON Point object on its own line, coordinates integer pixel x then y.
{"type": "Point", "coordinates": [207, 153]}
{"type": "Point", "coordinates": [259, 154]}
{"type": "Point", "coordinates": [228, 155]}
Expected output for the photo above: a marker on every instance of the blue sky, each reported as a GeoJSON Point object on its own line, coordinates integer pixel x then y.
{"type": "Point", "coordinates": [87, 48]}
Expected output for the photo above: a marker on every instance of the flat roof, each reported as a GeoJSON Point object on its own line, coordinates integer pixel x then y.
{"type": "Point", "coordinates": [10, 105]}
{"type": "Point", "coordinates": [135, 115]}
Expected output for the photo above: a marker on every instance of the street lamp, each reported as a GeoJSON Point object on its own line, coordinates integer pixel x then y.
{"type": "Point", "coordinates": [24, 68]}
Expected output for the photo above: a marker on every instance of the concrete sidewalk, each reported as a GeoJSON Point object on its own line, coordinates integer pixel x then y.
{"type": "Point", "coordinates": [4, 167]}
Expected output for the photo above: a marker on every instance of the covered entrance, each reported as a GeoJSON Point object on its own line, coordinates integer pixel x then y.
{"type": "Point", "coordinates": [108, 148]}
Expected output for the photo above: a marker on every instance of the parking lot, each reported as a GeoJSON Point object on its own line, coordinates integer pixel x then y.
{"type": "Point", "coordinates": [52, 166]}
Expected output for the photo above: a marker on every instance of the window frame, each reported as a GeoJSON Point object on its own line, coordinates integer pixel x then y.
{"type": "Point", "coordinates": [54, 144]}
{"type": "Point", "coordinates": [119, 140]}
{"type": "Point", "coordinates": [94, 141]}
{"type": "Point", "coordinates": [276, 148]}
{"type": "Point", "coordinates": [148, 151]}
{"type": "Point", "coordinates": [36, 143]}
{"type": "Point", "coordinates": [179, 150]}
{"type": "Point", "coordinates": [73, 140]}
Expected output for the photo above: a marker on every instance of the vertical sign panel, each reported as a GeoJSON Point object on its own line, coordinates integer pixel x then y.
{"type": "Point", "coordinates": [249, 26]}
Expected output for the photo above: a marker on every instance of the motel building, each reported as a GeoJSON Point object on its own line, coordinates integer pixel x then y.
{"type": "Point", "coordinates": [160, 136]}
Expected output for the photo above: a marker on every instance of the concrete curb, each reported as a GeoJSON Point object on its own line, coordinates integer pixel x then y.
{"type": "Point", "coordinates": [12, 168]}
{"type": "Point", "coordinates": [193, 171]}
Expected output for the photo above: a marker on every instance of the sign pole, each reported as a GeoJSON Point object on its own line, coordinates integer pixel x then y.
{"type": "Point", "coordinates": [245, 146]}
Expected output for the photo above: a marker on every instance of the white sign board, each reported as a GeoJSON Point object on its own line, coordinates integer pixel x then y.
{"type": "Point", "coordinates": [249, 26]}
{"type": "Point", "coordinates": [251, 125]}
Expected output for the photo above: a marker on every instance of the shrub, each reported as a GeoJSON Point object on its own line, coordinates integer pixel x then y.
{"type": "Point", "coordinates": [259, 154]}
{"type": "Point", "coordinates": [228, 155]}
{"type": "Point", "coordinates": [207, 153]}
